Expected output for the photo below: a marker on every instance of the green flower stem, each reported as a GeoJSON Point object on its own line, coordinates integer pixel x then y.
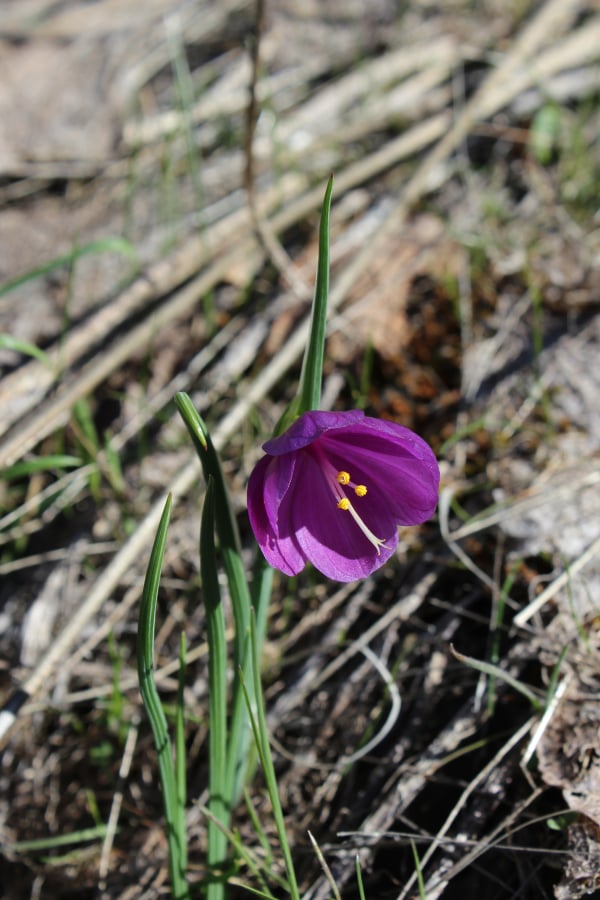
{"type": "Point", "coordinates": [261, 588]}
{"type": "Point", "coordinates": [261, 585]}
{"type": "Point", "coordinates": [217, 695]}
{"type": "Point", "coordinates": [176, 835]}
{"type": "Point", "coordinates": [258, 721]}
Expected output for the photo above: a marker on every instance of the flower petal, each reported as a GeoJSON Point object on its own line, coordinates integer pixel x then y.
{"type": "Point", "coordinates": [395, 460]}
{"type": "Point", "coordinates": [308, 427]}
{"type": "Point", "coordinates": [268, 484]}
{"type": "Point", "coordinates": [328, 536]}
{"type": "Point", "coordinates": [293, 493]}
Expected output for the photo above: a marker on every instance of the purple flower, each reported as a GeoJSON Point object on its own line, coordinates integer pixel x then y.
{"type": "Point", "coordinates": [333, 489]}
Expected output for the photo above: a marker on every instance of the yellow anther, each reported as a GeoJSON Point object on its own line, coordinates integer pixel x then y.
{"type": "Point", "coordinates": [344, 503]}
{"type": "Point", "coordinates": [360, 490]}
{"type": "Point", "coordinates": [343, 477]}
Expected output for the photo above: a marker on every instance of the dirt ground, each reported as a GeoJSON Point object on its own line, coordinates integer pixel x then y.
{"type": "Point", "coordinates": [162, 166]}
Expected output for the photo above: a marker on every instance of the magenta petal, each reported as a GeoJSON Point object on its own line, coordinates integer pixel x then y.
{"type": "Point", "coordinates": [410, 491]}
{"type": "Point", "coordinates": [294, 491]}
{"type": "Point", "coordinates": [308, 427]}
{"type": "Point", "coordinates": [328, 536]}
{"type": "Point", "coordinates": [398, 462]}
{"type": "Point", "coordinates": [275, 538]}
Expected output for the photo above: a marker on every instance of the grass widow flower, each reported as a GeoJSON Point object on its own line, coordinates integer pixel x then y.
{"type": "Point", "coordinates": [333, 489]}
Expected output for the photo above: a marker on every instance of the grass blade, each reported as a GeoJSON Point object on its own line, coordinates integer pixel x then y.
{"type": "Point", "coordinates": [260, 595]}
{"type": "Point", "coordinates": [8, 342]}
{"type": "Point", "coordinates": [501, 674]}
{"type": "Point", "coordinates": [418, 870]}
{"type": "Point", "coordinates": [103, 245]}
{"type": "Point", "coordinates": [359, 879]}
{"type": "Point", "coordinates": [145, 663]}
{"type": "Point", "coordinates": [227, 531]}
{"type": "Point", "coordinates": [180, 751]}
{"type": "Point", "coordinates": [258, 722]}
{"type": "Point", "coordinates": [309, 389]}
{"type": "Point", "coordinates": [217, 694]}
{"type": "Point", "coordinates": [98, 832]}
{"type": "Point", "coordinates": [27, 467]}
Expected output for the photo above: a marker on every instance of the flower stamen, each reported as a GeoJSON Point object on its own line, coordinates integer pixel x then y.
{"type": "Point", "coordinates": [343, 478]}
{"type": "Point", "coordinates": [378, 543]}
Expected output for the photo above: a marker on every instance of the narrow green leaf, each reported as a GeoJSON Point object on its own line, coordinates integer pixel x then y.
{"type": "Point", "coordinates": [260, 866]}
{"type": "Point", "coordinates": [258, 893]}
{"type": "Point", "coordinates": [114, 469]}
{"type": "Point", "coordinates": [8, 342]}
{"type": "Point", "coordinates": [226, 523]}
{"type": "Point", "coordinates": [145, 664]}
{"type": "Point", "coordinates": [104, 245]}
{"type": "Point", "coordinates": [418, 870]}
{"type": "Point", "coordinates": [217, 694]}
{"type": "Point", "coordinates": [147, 615]}
{"type": "Point", "coordinates": [41, 464]}
{"type": "Point", "coordinates": [82, 412]}
{"type": "Point", "coordinates": [312, 367]}
{"type": "Point", "coordinates": [59, 840]}
{"type": "Point", "coordinates": [227, 531]}
{"type": "Point", "coordinates": [258, 721]}
{"type": "Point", "coordinates": [495, 634]}
{"type": "Point", "coordinates": [180, 751]}
{"type": "Point", "coordinates": [555, 674]}
{"type": "Point", "coordinates": [260, 590]}
{"type": "Point", "coordinates": [501, 674]}
{"type": "Point", "coordinates": [544, 133]}
{"type": "Point", "coordinates": [309, 389]}
{"type": "Point", "coordinates": [261, 834]}
{"type": "Point", "coordinates": [359, 879]}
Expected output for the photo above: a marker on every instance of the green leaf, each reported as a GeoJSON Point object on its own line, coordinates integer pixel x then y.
{"type": "Point", "coordinates": [8, 342]}
{"type": "Point", "coordinates": [311, 377]}
{"type": "Point", "coordinates": [41, 464]}
{"type": "Point", "coordinates": [496, 672]}
{"type": "Point", "coordinates": [176, 839]}
{"type": "Point", "coordinates": [217, 694]}
{"type": "Point", "coordinates": [418, 870]}
{"type": "Point", "coordinates": [227, 531]}
{"type": "Point", "coordinates": [180, 750]}
{"type": "Point", "coordinates": [59, 840]}
{"type": "Point", "coordinates": [544, 133]}
{"type": "Point", "coordinates": [82, 413]}
{"type": "Point", "coordinates": [359, 878]}
{"type": "Point", "coordinates": [104, 245]}
{"type": "Point", "coordinates": [258, 721]}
